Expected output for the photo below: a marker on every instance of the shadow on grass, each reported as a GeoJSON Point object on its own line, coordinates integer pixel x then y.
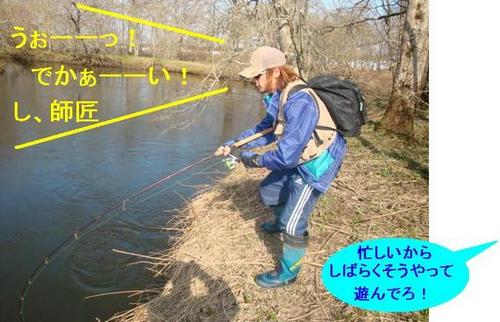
{"type": "Point", "coordinates": [411, 163]}
{"type": "Point", "coordinates": [192, 294]}
{"type": "Point", "coordinates": [247, 201]}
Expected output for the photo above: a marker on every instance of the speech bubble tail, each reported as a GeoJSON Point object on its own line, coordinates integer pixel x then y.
{"type": "Point", "coordinates": [467, 253]}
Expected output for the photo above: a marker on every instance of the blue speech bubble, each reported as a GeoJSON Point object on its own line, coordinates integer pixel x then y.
{"type": "Point", "coordinates": [397, 274]}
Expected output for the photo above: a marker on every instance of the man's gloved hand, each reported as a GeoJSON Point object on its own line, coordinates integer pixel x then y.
{"type": "Point", "coordinates": [224, 149]}
{"type": "Point", "coordinates": [250, 159]}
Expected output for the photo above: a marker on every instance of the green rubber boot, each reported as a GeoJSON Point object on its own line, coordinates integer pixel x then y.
{"type": "Point", "coordinates": [286, 272]}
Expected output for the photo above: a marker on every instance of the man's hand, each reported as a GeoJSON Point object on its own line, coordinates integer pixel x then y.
{"type": "Point", "coordinates": [224, 149]}
{"type": "Point", "coordinates": [250, 159]}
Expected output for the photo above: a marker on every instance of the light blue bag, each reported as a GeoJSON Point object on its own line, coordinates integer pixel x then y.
{"type": "Point", "coordinates": [319, 165]}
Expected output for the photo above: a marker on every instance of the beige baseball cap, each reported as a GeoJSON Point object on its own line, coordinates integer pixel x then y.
{"type": "Point", "coordinates": [261, 59]}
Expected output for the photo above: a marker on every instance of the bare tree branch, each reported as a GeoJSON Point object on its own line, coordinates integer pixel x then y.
{"type": "Point", "coordinates": [328, 29]}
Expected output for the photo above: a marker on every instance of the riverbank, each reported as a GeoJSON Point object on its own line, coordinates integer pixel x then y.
{"type": "Point", "coordinates": [374, 82]}
{"type": "Point", "coordinates": [25, 57]}
{"type": "Point", "coordinates": [381, 191]}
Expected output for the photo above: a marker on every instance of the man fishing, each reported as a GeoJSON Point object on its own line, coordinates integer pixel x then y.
{"type": "Point", "coordinates": [308, 155]}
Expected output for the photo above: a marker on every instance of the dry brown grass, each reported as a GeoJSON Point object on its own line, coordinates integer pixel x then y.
{"type": "Point", "coordinates": [374, 83]}
{"type": "Point", "coordinates": [382, 190]}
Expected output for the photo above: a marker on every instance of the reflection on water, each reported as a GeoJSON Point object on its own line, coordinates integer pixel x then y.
{"type": "Point", "coordinates": [49, 190]}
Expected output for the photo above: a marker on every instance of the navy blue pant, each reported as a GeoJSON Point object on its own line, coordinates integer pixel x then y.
{"type": "Point", "coordinates": [286, 187]}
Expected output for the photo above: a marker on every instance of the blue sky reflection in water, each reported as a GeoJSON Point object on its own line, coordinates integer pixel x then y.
{"type": "Point", "coordinates": [50, 190]}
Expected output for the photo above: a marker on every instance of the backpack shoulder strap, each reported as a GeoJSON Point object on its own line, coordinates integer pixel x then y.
{"type": "Point", "coordinates": [297, 88]}
{"type": "Point", "coordinates": [290, 89]}
{"type": "Point", "coordinates": [301, 85]}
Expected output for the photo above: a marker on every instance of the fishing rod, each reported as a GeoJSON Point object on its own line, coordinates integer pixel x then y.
{"type": "Point", "coordinates": [85, 229]}
{"type": "Point", "coordinates": [95, 223]}
{"type": "Point", "coordinates": [247, 139]}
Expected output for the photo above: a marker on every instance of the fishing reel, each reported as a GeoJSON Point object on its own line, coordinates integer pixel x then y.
{"type": "Point", "coordinates": [230, 162]}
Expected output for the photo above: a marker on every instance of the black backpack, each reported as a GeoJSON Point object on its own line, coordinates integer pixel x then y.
{"type": "Point", "coordinates": [343, 99]}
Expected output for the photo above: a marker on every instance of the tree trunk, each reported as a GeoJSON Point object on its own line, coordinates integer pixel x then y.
{"type": "Point", "coordinates": [281, 8]}
{"type": "Point", "coordinates": [77, 23]}
{"type": "Point", "coordinates": [291, 17]}
{"type": "Point", "coordinates": [423, 91]}
{"type": "Point", "coordinates": [410, 76]}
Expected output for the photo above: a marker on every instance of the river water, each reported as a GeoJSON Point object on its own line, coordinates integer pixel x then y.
{"type": "Point", "coordinates": [50, 190]}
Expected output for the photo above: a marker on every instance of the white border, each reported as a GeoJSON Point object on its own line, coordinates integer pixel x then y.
{"type": "Point", "coordinates": [465, 148]}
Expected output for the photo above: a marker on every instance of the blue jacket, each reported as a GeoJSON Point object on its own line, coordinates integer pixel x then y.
{"type": "Point", "coordinates": [301, 115]}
